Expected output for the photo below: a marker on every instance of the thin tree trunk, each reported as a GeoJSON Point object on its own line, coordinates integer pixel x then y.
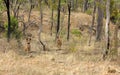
{"type": "Point", "coordinates": [51, 28]}
{"type": "Point", "coordinates": [14, 7]}
{"type": "Point", "coordinates": [24, 29]}
{"type": "Point", "coordinates": [76, 4]}
{"type": "Point", "coordinates": [58, 18]}
{"type": "Point", "coordinates": [107, 40]}
{"type": "Point", "coordinates": [115, 50]}
{"type": "Point", "coordinates": [30, 11]}
{"type": "Point", "coordinates": [17, 10]}
{"type": "Point", "coordinates": [40, 27]}
{"type": "Point", "coordinates": [72, 4]}
{"type": "Point", "coordinates": [93, 20]}
{"type": "Point", "coordinates": [99, 21]}
{"type": "Point", "coordinates": [7, 3]}
{"type": "Point", "coordinates": [69, 10]}
{"type": "Point", "coordinates": [85, 5]}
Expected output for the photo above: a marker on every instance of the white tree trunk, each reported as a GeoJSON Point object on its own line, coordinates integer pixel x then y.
{"type": "Point", "coordinates": [107, 22]}
{"type": "Point", "coordinates": [107, 29]}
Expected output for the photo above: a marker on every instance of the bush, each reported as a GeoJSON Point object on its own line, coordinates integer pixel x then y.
{"type": "Point", "coordinates": [89, 12]}
{"type": "Point", "coordinates": [15, 33]}
{"type": "Point", "coordinates": [76, 32]}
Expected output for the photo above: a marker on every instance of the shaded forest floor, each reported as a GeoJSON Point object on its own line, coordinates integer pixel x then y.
{"type": "Point", "coordinates": [75, 57]}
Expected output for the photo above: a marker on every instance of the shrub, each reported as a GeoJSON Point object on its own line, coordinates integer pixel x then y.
{"type": "Point", "coordinates": [76, 32]}
{"type": "Point", "coordinates": [15, 33]}
{"type": "Point", "coordinates": [89, 12]}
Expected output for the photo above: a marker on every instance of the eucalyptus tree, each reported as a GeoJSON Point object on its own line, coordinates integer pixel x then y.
{"type": "Point", "coordinates": [115, 18]}
{"type": "Point", "coordinates": [58, 18]}
{"type": "Point", "coordinates": [7, 4]}
{"type": "Point", "coordinates": [100, 16]}
{"type": "Point", "coordinates": [107, 39]}
{"type": "Point", "coordinates": [52, 4]}
{"type": "Point", "coordinates": [113, 15]}
{"type": "Point", "coordinates": [41, 24]}
{"type": "Point", "coordinates": [76, 4]}
{"type": "Point", "coordinates": [93, 21]}
{"type": "Point", "coordinates": [69, 14]}
{"type": "Point", "coordinates": [85, 5]}
{"type": "Point", "coordinates": [15, 7]}
{"type": "Point", "coordinates": [30, 10]}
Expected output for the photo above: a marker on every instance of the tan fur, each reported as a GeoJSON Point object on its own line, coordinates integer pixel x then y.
{"type": "Point", "coordinates": [111, 70]}
{"type": "Point", "coordinates": [59, 42]}
{"type": "Point", "coordinates": [28, 46]}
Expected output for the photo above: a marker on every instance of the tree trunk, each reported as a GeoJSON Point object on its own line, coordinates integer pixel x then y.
{"type": "Point", "coordinates": [40, 27]}
{"type": "Point", "coordinates": [115, 47]}
{"type": "Point", "coordinates": [69, 10]}
{"type": "Point", "coordinates": [72, 4]}
{"type": "Point", "coordinates": [107, 40]}
{"type": "Point", "coordinates": [16, 7]}
{"type": "Point", "coordinates": [93, 20]}
{"type": "Point", "coordinates": [76, 4]}
{"type": "Point", "coordinates": [17, 10]}
{"type": "Point", "coordinates": [30, 11]}
{"type": "Point", "coordinates": [85, 5]}
{"type": "Point", "coordinates": [51, 28]}
{"type": "Point", "coordinates": [58, 18]}
{"type": "Point", "coordinates": [7, 3]}
{"type": "Point", "coordinates": [99, 21]}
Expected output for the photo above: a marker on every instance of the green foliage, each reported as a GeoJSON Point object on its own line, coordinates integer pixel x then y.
{"type": "Point", "coordinates": [15, 33]}
{"type": "Point", "coordinates": [53, 4]}
{"type": "Point", "coordinates": [89, 12]}
{"type": "Point", "coordinates": [1, 5]}
{"type": "Point", "coordinates": [76, 32]}
{"type": "Point", "coordinates": [102, 6]}
{"type": "Point", "coordinates": [115, 14]}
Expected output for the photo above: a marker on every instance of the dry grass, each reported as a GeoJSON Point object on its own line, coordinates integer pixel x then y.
{"type": "Point", "coordinates": [53, 63]}
{"type": "Point", "coordinates": [75, 58]}
{"type": "Point", "coordinates": [84, 60]}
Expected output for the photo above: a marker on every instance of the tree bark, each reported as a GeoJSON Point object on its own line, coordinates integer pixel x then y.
{"type": "Point", "coordinates": [76, 4]}
{"type": "Point", "coordinates": [30, 11]}
{"type": "Point", "coordinates": [16, 8]}
{"type": "Point", "coordinates": [99, 21]}
{"type": "Point", "coordinates": [107, 39]}
{"type": "Point", "coordinates": [85, 5]}
{"type": "Point", "coordinates": [7, 3]}
{"type": "Point", "coordinates": [58, 18]}
{"type": "Point", "coordinates": [93, 20]}
{"type": "Point", "coordinates": [115, 47]}
{"type": "Point", "coordinates": [51, 28]}
{"type": "Point", "coordinates": [69, 10]}
{"type": "Point", "coordinates": [40, 27]}
{"type": "Point", "coordinates": [72, 4]}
